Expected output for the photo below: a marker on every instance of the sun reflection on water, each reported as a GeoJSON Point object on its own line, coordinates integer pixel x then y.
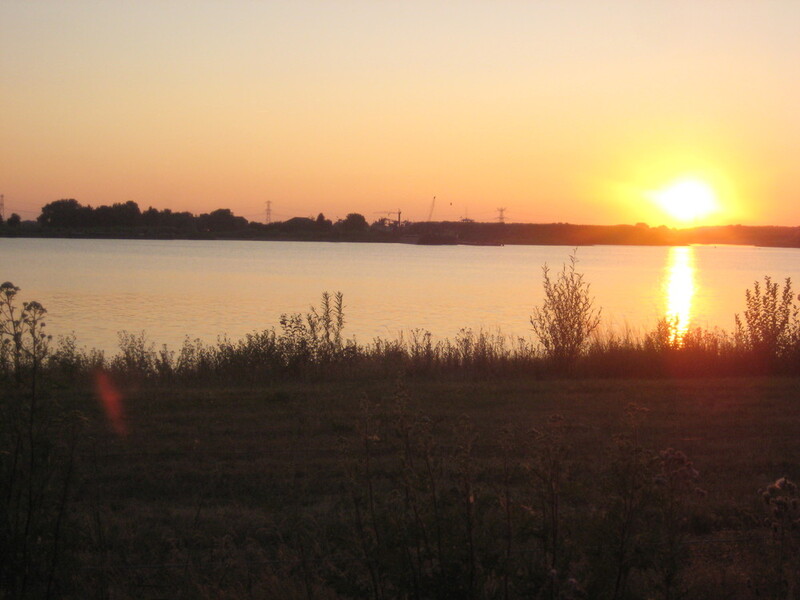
{"type": "Point", "coordinates": [679, 291]}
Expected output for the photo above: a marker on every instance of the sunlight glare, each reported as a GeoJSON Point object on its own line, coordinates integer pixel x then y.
{"type": "Point", "coordinates": [680, 289]}
{"type": "Point", "coordinates": [687, 199]}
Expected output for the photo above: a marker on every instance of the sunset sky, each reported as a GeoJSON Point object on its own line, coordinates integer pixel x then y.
{"type": "Point", "coordinates": [559, 111]}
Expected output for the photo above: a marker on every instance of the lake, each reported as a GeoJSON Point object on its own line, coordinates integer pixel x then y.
{"type": "Point", "coordinates": [205, 289]}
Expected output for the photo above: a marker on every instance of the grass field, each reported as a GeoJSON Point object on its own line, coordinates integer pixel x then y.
{"type": "Point", "coordinates": [442, 489]}
{"type": "Point", "coordinates": [298, 464]}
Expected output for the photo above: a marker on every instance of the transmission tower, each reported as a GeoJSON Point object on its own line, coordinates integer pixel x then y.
{"type": "Point", "coordinates": [501, 215]}
{"type": "Point", "coordinates": [268, 212]}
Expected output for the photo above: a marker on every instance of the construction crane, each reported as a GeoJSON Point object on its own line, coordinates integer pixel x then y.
{"type": "Point", "coordinates": [430, 212]}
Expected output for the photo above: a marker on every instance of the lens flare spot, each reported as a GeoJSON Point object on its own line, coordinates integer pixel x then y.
{"type": "Point", "coordinates": [111, 400]}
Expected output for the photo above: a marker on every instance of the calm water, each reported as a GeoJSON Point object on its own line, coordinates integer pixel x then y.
{"type": "Point", "coordinates": [205, 289]}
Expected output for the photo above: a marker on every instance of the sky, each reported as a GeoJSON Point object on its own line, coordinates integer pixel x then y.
{"type": "Point", "coordinates": [568, 111]}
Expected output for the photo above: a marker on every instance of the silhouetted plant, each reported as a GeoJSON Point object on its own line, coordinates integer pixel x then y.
{"type": "Point", "coordinates": [770, 325]}
{"type": "Point", "coordinates": [316, 337]}
{"type": "Point", "coordinates": [567, 317]}
{"type": "Point", "coordinates": [663, 338]}
{"type": "Point", "coordinates": [548, 469]}
{"type": "Point", "coordinates": [22, 332]}
{"type": "Point", "coordinates": [137, 355]}
{"type": "Point", "coordinates": [782, 502]}
{"type": "Point", "coordinates": [622, 527]}
{"type": "Point", "coordinates": [68, 363]}
{"type": "Point", "coordinates": [36, 463]}
{"type": "Point", "coordinates": [676, 484]}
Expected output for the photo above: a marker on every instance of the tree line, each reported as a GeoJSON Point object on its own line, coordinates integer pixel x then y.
{"type": "Point", "coordinates": [13, 221]}
{"type": "Point", "coordinates": [70, 217]}
{"type": "Point", "coordinates": [69, 214]}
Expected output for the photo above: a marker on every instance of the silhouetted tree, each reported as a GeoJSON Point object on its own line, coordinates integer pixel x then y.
{"type": "Point", "coordinates": [65, 213]}
{"type": "Point", "coordinates": [182, 221]}
{"type": "Point", "coordinates": [298, 224]}
{"type": "Point", "coordinates": [178, 221]}
{"type": "Point", "coordinates": [117, 215]}
{"type": "Point", "coordinates": [14, 220]}
{"type": "Point", "coordinates": [353, 222]}
{"type": "Point", "coordinates": [322, 222]}
{"type": "Point", "coordinates": [221, 219]}
{"type": "Point", "coordinates": [151, 217]}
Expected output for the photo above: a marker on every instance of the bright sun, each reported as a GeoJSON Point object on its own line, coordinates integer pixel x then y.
{"type": "Point", "coordinates": [687, 199]}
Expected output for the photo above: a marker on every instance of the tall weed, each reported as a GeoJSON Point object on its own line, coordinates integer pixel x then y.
{"type": "Point", "coordinates": [567, 317]}
{"type": "Point", "coordinates": [770, 327]}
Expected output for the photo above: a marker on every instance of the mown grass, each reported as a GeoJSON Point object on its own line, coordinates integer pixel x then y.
{"type": "Point", "coordinates": [255, 491]}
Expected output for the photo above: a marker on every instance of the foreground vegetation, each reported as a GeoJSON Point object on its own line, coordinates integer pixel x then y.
{"type": "Point", "coordinates": [297, 463]}
{"type": "Point", "coordinates": [509, 489]}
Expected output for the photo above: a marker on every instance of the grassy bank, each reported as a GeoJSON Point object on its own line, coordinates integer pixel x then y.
{"type": "Point", "coordinates": [425, 488]}
{"type": "Point", "coordinates": [298, 463]}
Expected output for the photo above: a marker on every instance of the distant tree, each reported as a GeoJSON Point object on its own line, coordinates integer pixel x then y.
{"type": "Point", "coordinates": [299, 224]}
{"type": "Point", "coordinates": [221, 219]}
{"type": "Point", "coordinates": [65, 213]}
{"type": "Point", "coordinates": [117, 215]}
{"type": "Point", "coordinates": [382, 224]}
{"type": "Point", "coordinates": [127, 214]}
{"type": "Point", "coordinates": [151, 217]}
{"type": "Point", "coordinates": [353, 222]}
{"type": "Point", "coordinates": [14, 220]}
{"type": "Point", "coordinates": [182, 221]}
{"type": "Point", "coordinates": [322, 222]}
{"type": "Point", "coordinates": [1, 219]}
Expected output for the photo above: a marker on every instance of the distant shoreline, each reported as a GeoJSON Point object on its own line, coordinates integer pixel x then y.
{"type": "Point", "coordinates": [456, 233]}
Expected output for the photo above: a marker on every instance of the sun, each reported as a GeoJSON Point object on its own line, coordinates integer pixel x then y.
{"type": "Point", "coordinates": [687, 199]}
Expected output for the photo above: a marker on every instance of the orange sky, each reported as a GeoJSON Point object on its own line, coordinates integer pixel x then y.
{"type": "Point", "coordinates": [559, 111]}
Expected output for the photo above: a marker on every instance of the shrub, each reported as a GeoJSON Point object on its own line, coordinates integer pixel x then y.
{"type": "Point", "coordinates": [36, 459]}
{"type": "Point", "coordinates": [567, 318]}
{"type": "Point", "coordinates": [22, 338]}
{"type": "Point", "coordinates": [770, 326]}
{"type": "Point", "coordinates": [782, 504]}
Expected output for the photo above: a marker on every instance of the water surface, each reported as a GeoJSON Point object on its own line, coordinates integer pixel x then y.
{"type": "Point", "coordinates": [205, 289]}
